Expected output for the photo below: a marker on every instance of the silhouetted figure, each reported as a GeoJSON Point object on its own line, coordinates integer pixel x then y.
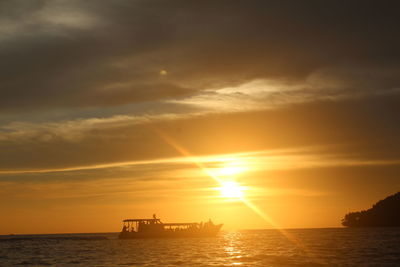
{"type": "Point", "coordinates": [384, 213]}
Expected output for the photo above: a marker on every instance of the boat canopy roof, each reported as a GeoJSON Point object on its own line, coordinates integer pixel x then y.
{"type": "Point", "coordinates": [179, 224]}
{"type": "Point", "coordinates": [141, 220]}
{"type": "Point", "coordinates": [158, 220]}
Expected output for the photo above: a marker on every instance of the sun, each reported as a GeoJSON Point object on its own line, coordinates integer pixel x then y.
{"type": "Point", "coordinates": [231, 189]}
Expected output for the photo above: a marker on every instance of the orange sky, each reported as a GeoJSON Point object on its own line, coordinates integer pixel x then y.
{"type": "Point", "coordinates": [121, 109]}
{"type": "Point", "coordinates": [294, 188]}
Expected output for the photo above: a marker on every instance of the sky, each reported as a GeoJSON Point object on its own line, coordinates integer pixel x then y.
{"type": "Point", "coordinates": [120, 109]}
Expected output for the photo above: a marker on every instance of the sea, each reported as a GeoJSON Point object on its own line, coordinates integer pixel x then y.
{"type": "Point", "coordinates": [293, 247]}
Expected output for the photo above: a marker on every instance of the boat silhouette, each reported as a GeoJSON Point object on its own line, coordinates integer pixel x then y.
{"type": "Point", "coordinates": [154, 228]}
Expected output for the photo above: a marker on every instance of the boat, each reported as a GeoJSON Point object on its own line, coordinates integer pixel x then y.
{"type": "Point", "coordinates": [154, 228]}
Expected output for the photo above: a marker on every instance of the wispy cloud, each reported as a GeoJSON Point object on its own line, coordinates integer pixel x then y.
{"type": "Point", "coordinates": [252, 161]}
{"type": "Point", "coordinates": [325, 84]}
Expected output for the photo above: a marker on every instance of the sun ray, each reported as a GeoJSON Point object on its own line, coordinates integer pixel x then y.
{"type": "Point", "coordinates": [242, 198]}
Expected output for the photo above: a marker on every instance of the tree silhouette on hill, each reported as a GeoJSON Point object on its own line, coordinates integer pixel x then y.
{"type": "Point", "coordinates": [384, 213]}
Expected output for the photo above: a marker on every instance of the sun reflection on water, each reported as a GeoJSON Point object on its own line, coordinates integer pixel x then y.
{"type": "Point", "coordinates": [232, 247]}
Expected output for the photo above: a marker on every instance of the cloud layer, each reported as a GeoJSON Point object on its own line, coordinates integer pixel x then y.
{"type": "Point", "coordinates": [77, 74]}
{"type": "Point", "coordinates": [91, 53]}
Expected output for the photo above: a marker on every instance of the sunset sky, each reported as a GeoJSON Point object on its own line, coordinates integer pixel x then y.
{"type": "Point", "coordinates": [121, 109]}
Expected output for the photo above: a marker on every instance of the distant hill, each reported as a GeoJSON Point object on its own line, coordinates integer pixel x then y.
{"type": "Point", "coordinates": [384, 213]}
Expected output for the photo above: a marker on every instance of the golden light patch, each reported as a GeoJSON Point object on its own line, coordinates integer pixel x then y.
{"type": "Point", "coordinates": [230, 170]}
{"type": "Point", "coordinates": [163, 72]}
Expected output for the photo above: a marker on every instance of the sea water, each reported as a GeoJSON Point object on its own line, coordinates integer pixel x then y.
{"type": "Point", "coordinates": [295, 247]}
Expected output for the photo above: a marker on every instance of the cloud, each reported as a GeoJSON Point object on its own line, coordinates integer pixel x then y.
{"type": "Point", "coordinates": [331, 83]}
{"type": "Point", "coordinates": [81, 82]}
{"type": "Point", "coordinates": [365, 127]}
{"type": "Point", "coordinates": [63, 54]}
{"type": "Point", "coordinates": [77, 54]}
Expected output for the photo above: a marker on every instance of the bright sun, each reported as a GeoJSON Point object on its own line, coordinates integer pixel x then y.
{"type": "Point", "coordinates": [231, 189]}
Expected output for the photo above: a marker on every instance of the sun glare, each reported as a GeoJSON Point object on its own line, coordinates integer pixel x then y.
{"type": "Point", "coordinates": [231, 189]}
{"type": "Point", "coordinates": [230, 170]}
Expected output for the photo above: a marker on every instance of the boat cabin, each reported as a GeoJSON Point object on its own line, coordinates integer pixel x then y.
{"type": "Point", "coordinates": [141, 225]}
{"type": "Point", "coordinates": [136, 225]}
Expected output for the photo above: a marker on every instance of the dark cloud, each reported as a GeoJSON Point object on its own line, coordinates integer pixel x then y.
{"type": "Point", "coordinates": [64, 53]}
